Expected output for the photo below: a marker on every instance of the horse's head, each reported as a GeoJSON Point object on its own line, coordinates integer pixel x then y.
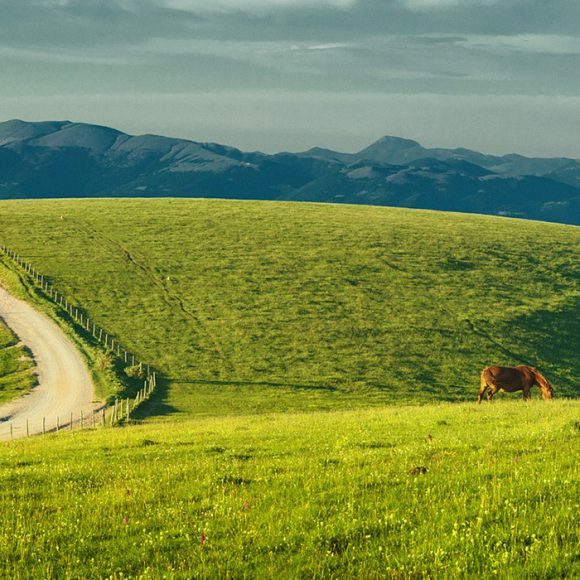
{"type": "Point", "coordinates": [545, 386]}
{"type": "Point", "coordinates": [547, 393]}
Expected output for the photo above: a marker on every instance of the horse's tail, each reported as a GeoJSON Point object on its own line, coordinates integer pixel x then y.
{"type": "Point", "coordinates": [482, 385]}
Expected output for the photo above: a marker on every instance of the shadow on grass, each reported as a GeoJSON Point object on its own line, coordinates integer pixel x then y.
{"type": "Point", "coordinates": [303, 387]}
{"type": "Point", "coordinates": [549, 340]}
{"type": "Point", "coordinates": [156, 405]}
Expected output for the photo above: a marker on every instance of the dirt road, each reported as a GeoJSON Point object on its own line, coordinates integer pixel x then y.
{"type": "Point", "coordinates": [65, 384]}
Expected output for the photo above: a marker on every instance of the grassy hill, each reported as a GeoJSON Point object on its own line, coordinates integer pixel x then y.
{"type": "Point", "coordinates": [16, 366]}
{"type": "Point", "coordinates": [440, 491]}
{"type": "Point", "coordinates": [248, 308]}
{"type": "Point", "coordinates": [254, 306]}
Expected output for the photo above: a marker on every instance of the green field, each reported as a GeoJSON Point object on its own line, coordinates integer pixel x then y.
{"type": "Point", "coordinates": [439, 491]}
{"type": "Point", "coordinates": [249, 307]}
{"type": "Point", "coordinates": [311, 418]}
{"type": "Point", "coordinates": [16, 366]}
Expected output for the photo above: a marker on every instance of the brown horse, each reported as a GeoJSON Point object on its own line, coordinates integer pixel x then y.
{"type": "Point", "coordinates": [510, 379]}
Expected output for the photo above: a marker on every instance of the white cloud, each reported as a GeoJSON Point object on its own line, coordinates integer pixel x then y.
{"type": "Point", "coordinates": [328, 46]}
{"type": "Point", "coordinates": [526, 43]}
{"type": "Point", "coordinates": [52, 3]}
{"type": "Point", "coordinates": [443, 4]}
{"type": "Point", "coordinates": [108, 58]}
{"type": "Point", "coordinates": [250, 5]}
{"type": "Point", "coordinates": [234, 49]}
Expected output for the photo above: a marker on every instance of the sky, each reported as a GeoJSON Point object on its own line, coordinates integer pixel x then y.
{"type": "Point", "coordinates": [498, 76]}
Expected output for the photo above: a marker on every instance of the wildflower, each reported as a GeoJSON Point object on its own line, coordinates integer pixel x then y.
{"type": "Point", "coordinates": [246, 505]}
{"type": "Point", "coordinates": [126, 521]}
{"type": "Point", "coordinates": [202, 539]}
{"type": "Point", "coordinates": [430, 437]}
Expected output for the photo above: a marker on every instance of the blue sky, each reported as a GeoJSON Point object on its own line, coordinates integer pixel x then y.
{"type": "Point", "coordinates": [273, 75]}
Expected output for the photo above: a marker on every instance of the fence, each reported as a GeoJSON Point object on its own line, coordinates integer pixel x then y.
{"type": "Point", "coordinates": [119, 409]}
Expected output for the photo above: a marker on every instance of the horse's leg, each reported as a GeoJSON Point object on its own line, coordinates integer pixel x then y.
{"type": "Point", "coordinates": [492, 391]}
{"type": "Point", "coordinates": [527, 395]}
{"type": "Point", "coordinates": [482, 390]}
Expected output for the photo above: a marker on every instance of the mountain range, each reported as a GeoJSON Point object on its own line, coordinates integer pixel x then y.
{"type": "Point", "coordinates": [65, 159]}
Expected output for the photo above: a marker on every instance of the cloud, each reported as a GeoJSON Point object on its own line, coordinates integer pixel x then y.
{"type": "Point", "coordinates": [549, 44]}
{"type": "Point", "coordinates": [327, 46]}
{"type": "Point", "coordinates": [250, 5]}
{"type": "Point", "coordinates": [63, 57]}
{"type": "Point", "coordinates": [189, 5]}
{"type": "Point", "coordinates": [444, 4]}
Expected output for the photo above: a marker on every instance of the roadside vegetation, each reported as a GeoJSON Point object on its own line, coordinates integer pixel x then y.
{"type": "Point", "coordinates": [447, 490]}
{"type": "Point", "coordinates": [108, 374]}
{"type": "Point", "coordinates": [17, 375]}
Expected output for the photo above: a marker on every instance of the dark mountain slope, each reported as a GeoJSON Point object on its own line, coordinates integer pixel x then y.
{"type": "Point", "coordinates": [394, 150]}
{"type": "Point", "coordinates": [65, 159]}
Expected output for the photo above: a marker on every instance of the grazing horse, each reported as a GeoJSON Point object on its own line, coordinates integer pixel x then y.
{"type": "Point", "coordinates": [510, 379]}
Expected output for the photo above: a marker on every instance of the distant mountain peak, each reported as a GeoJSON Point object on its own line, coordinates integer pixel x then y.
{"type": "Point", "coordinates": [393, 141]}
{"type": "Point", "coordinates": [390, 149]}
{"type": "Point", "coordinates": [16, 123]}
{"type": "Point", "coordinates": [65, 158]}
{"type": "Point", "coordinates": [16, 130]}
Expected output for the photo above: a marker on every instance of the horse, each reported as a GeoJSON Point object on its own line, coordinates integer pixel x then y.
{"type": "Point", "coordinates": [511, 379]}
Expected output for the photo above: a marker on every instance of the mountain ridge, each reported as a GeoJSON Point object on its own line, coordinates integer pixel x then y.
{"type": "Point", "coordinates": [70, 159]}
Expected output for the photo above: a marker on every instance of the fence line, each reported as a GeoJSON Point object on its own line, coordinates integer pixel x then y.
{"type": "Point", "coordinates": [117, 410]}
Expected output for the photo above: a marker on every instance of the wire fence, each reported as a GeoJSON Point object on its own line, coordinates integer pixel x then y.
{"type": "Point", "coordinates": [108, 415]}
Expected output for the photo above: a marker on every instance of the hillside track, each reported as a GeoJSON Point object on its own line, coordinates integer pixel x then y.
{"type": "Point", "coordinates": [169, 297]}
{"type": "Point", "coordinates": [64, 382]}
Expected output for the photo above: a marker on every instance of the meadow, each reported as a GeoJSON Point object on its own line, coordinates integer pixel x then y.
{"type": "Point", "coordinates": [253, 307]}
{"type": "Point", "coordinates": [434, 491]}
{"type": "Point", "coordinates": [16, 366]}
{"type": "Point", "coordinates": [311, 418]}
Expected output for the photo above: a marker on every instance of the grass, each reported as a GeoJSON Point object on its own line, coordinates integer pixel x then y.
{"type": "Point", "coordinates": [447, 490]}
{"type": "Point", "coordinates": [306, 350]}
{"type": "Point", "coordinates": [16, 366]}
{"type": "Point", "coordinates": [255, 307]}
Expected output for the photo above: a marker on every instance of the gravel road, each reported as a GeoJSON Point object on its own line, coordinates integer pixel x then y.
{"type": "Point", "coordinates": [64, 382]}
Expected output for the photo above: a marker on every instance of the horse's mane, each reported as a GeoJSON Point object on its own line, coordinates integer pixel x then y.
{"type": "Point", "coordinates": [541, 379]}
